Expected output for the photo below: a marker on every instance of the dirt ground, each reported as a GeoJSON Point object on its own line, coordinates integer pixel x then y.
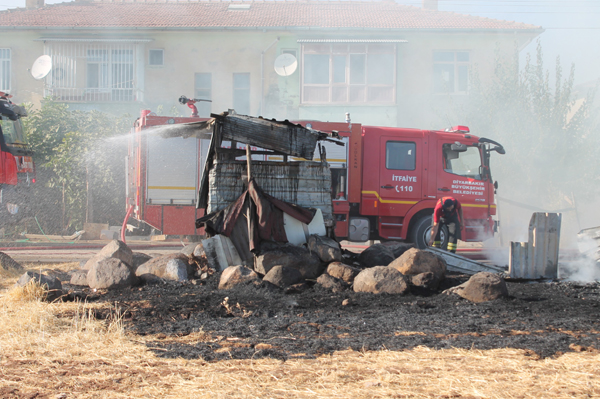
{"type": "Point", "coordinates": [547, 319]}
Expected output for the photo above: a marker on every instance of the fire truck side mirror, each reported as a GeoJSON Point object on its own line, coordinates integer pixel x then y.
{"type": "Point", "coordinates": [496, 184]}
{"type": "Point", "coordinates": [458, 147]}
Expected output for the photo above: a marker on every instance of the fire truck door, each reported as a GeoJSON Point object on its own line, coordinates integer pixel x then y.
{"type": "Point", "coordinates": [400, 184]}
{"type": "Point", "coordinates": [459, 175]}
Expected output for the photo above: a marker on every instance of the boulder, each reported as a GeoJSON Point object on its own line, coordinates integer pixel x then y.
{"type": "Point", "coordinates": [150, 279]}
{"type": "Point", "coordinates": [327, 249]}
{"type": "Point", "coordinates": [415, 261]}
{"type": "Point", "coordinates": [79, 277]}
{"type": "Point", "coordinates": [342, 271]}
{"type": "Point", "coordinates": [114, 249]}
{"type": "Point", "coordinates": [139, 258]}
{"type": "Point", "coordinates": [220, 252]}
{"type": "Point", "coordinates": [331, 283]}
{"type": "Point", "coordinates": [283, 276]}
{"type": "Point", "coordinates": [376, 255]}
{"type": "Point", "coordinates": [158, 265]}
{"type": "Point", "coordinates": [110, 273]}
{"type": "Point", "coordinates": [381, 280]}
{"type": "Point", "coordinates": [235, 275]}
{"type": "Point", "coordinates": [188, 250]}
{"type": "Point", "coordinates": [424, 280]}
{"type": "Point", "coordinates": [9, 267]}
{"type": "Point", "coordinates": [307, 263]}
{"type": "Point", "coordinates": [481, 287]}
{"type": "Point", "coordinates": [398, 248]}
{"type": "Point", "coordinates": [176, 269]}
{"type": "Point", "coordinates": [51, 284]}
{"type": "Point", "coordinates": [199, 251]}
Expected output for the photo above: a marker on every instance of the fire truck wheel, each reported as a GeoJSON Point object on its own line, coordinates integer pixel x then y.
{"type": "Point", "coordinates": [421, 232]}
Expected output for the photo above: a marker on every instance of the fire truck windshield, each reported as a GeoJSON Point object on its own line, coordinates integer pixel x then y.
{"type": "Point", "coordinates": [13, 131]}
{"type": "Point", "coordinates": [463, 163]}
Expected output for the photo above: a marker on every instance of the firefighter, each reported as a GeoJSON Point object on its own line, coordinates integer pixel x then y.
{"type": "Point", "coordinates": [7, 111]}
{"type": "Point", "coordinates": [448, 211]}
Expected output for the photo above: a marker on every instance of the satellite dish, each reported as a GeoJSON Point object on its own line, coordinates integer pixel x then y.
{"type": "Point", "coordinates": [41, 67]}
{"type": "Point", "coordinates": [285, 64]}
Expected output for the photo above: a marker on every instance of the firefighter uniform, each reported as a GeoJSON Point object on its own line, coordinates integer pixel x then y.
{"type": "Point", "coordinates": [447, 211]}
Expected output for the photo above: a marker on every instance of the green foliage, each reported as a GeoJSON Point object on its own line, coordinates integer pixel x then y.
{"type": "Point", "coordinates": [79, 157]}
{"type": "Point", "coordinates": [549, 137]}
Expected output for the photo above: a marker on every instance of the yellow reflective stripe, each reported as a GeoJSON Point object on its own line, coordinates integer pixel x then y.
{"type": "Point", "coordinates": [170, 188]}
{"type": "Point", "coordinates": [475, 205]}
{"type": "Point", "coordinates": [375, 193]}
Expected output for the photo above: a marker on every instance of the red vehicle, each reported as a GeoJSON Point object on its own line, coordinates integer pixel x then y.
{"type": "Point", "coordinates": [17, 170]}
{"type": "Point", "coordinates": [385, 181]}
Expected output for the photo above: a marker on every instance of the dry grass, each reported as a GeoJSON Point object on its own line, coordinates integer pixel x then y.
{"type": "Point", "coordinates": [45, 353]}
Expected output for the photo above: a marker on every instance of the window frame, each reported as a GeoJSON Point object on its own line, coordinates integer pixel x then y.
{"type": "Point", "coordinates": [414, 157]}
{"type": "Point", "coordinates": [238, 92]}
{"type": "Point", "coordinates": [456, 67]}
{"type": "Point", "coordinates": [447, 164]}
{"type": "Point", "coordinates": [5, 70]}
{"type": "Point", "coordinates": [162, 58]}
{"type": "Point", "coordinates": [343, 90]}
{"type": "Point", "coordinates": [204, 107]}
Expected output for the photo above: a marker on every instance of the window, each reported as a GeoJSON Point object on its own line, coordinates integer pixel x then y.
{"type": "Point", "coordinates": [241, 93]}
{"type": "Point", "coordinates": [450, 71]}
{"type": "Point", "coordinates": [203, 91]}
{"type": "Point", "coordinates": [349, 73]}
{"type": "Point", "coordinates": [155, 57]}
{"type": "Point", "coordinates": [400, 155]}
{"type": "Point", "coordinates": [4, 69]}
{"type": "Point", "coordinates": [466, 163]}
{"type": "Point", "coordinates": [96, 71]}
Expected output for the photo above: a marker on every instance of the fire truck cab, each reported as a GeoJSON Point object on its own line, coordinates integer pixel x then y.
{"type": "Point", "coordinates": [395, 176]}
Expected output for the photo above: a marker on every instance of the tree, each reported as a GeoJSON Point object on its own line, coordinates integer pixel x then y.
{"type": "Point", "coordinates": [549, 138]}
{"type": "Point", "coordinates": [79, 157]}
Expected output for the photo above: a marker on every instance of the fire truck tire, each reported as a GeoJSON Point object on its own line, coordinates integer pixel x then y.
{"type": "Point", "coordinates": [421, 232]}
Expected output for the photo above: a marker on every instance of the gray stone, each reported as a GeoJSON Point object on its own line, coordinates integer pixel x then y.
{"type": "Point", "coordinates": [331, 283]}
{"type": "Point", "coordinates": [79, 277]}
{"type": "Point", "coordinates": [481, 287]}
{"type": "Point", "coordinates": [9, 267]}
{"type": "Point", "coordinates": [376, 255]}
{"type": "Point", "coordinates": [158, 265]}
{"type": "Point", "coordinates": [283, 276]}
{"type": "Point", "coordinates": [308, 264]}
{"type": "Point", "coordinates": [114, 249]}
{"type": "Point", "coordinates": [327, 249]}
{"type": "Point", "coordinates": [199, 251]}
{"type": "Point", "coordinates": [415, 261]}
{"type": "Point", "coordinates": [139, 258]}
{"type": "Point", "coordinates": [176, 269]}
{"type": "Point", "coordinates": [188, 250]}
{"type": "Point", "coordinates": [110, 273]}
{"type": "Point", "coordinates": [381, 280]}
{"type": "Point", "coordinates": [51, 284]}
{"type": "Point", "coordinates": [235, 275]}
{"type": "Point", "coordinates": [342, 271]}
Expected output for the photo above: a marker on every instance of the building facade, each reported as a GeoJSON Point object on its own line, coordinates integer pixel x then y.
{"type": "Point", "coordinates": [384, 63]}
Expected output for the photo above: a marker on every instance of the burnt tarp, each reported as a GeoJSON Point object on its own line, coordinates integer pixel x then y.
{"type": "Point", "coordinates": [284, 137]}
{"type": "Point", "coordinates": [266, 218]}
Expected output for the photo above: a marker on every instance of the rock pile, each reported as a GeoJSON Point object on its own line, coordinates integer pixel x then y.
{"type": "Point", "coordinates": [389, 268]}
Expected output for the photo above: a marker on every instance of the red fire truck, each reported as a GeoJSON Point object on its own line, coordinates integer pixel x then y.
{"type": "Point", "coordinates": [17, 170]}
{"type": "Point", "coordinates": [385, 180]}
